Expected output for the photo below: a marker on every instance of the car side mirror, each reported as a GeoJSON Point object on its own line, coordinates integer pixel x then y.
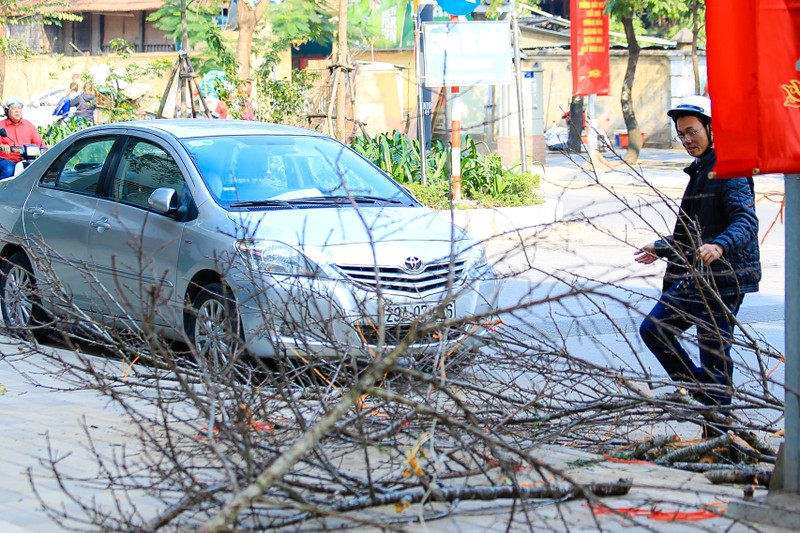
{"type": "Point", "coordinates": [164, 200]}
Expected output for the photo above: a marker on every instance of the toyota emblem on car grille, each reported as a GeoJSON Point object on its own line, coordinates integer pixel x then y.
{"type": "Point", "coordinates": [412, 264]}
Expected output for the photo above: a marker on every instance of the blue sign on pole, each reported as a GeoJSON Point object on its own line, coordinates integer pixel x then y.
{"type": "Point", "coordinates": [459, 7]}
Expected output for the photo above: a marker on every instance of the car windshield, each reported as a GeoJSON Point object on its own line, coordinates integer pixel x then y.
{"type": "Point", "coordinates": [287, 171]}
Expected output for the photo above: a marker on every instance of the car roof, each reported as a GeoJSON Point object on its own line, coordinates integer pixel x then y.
{"type": "Point", "coordinates": [184, 128]}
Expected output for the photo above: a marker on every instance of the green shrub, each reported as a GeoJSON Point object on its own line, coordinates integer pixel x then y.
{"type": "Point", "coordinates": [61, 129]}
{"type": "Point", "coordinates": [434, 195]}
{"type": "Point", "coordinates": [484, 179]}
{"type": "Point", "coordinates": [518, 190]}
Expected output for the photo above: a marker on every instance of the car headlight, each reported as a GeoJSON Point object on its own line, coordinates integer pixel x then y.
{"type": "Point", "coordinates": [275, 258]}
{"type": "Point", "coordinates": [481, 259]}
{"type": "Point", "coordinates": [479, 263]}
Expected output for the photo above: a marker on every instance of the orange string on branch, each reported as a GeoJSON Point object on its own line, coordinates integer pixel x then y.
{"type": "Point", "coordinates": [662, 516]}
{"type": "Point", "coordinates": [626, 461]}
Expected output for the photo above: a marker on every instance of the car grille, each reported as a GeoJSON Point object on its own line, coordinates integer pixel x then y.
{"type": "Point", "coordinates": [395, 334]}
{"type": "Point", "coordinates": [432, 278]}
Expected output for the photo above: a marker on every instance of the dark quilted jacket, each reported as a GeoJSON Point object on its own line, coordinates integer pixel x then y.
{"type": "Point", "coordinates": [719, 211]}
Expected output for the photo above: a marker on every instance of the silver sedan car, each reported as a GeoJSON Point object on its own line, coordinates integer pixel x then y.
{"type": "Point", "coordinates": [228, 234]}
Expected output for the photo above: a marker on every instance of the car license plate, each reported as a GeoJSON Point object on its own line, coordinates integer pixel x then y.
{"type": "Point", "coordinates": [406, 313]}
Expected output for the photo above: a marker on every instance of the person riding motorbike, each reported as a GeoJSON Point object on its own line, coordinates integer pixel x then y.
{"type": "Point", "coordinates": [15, 131]}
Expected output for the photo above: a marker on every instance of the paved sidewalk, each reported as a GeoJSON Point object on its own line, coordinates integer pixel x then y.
{"type": "Point", "coordinates": [48, 418]}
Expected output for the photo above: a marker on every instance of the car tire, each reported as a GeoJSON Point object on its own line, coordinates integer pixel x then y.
{"type": "Point", "coordinates": [22, 311]}
{"type": "Point", "coordinates": [215, 333]}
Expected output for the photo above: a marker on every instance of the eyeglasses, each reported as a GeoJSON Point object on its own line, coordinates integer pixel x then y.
{"type": "Point", "coordinates": [689, 134]}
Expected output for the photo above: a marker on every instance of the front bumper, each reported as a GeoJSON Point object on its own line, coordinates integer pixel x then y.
{"type": "Point", "coordinates": [337, 318]}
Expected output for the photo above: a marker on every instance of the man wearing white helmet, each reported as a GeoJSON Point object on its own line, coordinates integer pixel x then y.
{"type": "Point", "coordinates": [18, 132]}
{"type": "Point", "coordinates": [712, 259]}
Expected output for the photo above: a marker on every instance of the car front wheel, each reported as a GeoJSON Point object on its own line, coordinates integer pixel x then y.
{"type": "Point", "coordinates": [215, 331]}
{"type": "Point", "coordinates": [19, 300]}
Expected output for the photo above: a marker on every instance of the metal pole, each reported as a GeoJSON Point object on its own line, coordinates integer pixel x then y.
{"type": "Point", "coordinates": [455, 138]}
{"type": "Point", "coordinates": [423, 152]}
{"type": "Point", "coordinates": [455, 143]}
{"type": "Point", "coordinates": [791, 447]}
{"type": "Point", "coordinates": [518, 68]}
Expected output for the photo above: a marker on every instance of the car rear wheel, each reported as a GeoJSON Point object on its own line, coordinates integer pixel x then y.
{"type": "Point", "coordinates": [19, 300]}
{"type": "Point", "coordinates": [215, 331]}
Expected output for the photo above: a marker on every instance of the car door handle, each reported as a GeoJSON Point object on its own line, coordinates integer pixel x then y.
{"type": "Point", "coordinates": [101, 224]}
{"type": "Point", "coordinates": [36, 212]}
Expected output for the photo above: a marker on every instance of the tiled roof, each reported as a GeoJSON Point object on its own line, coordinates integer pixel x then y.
{"type": "Point", "coordinates": [111, 6]}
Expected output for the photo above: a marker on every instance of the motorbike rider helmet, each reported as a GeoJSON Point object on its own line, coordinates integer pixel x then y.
{"type": "Point", "coordinates": [692, 105]}
{"type": "Point", "coordinates": [695, 106]}
{"type": "Point", "coordinates": [14, 100]}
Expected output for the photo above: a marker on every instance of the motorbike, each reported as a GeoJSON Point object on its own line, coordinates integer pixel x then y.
{"type": "Point", "coordinates": [556, 139]}
{"type": "Point", "coordinates": [28, 152]}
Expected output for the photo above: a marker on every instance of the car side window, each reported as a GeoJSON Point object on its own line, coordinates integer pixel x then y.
{"type": "Point", "coordinates": [145, 167]}
{"type": "Point", "coordinates": [79, 168]}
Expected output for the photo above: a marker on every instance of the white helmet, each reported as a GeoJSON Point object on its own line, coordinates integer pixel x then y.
{"type": "Point", "coordinates": [692, 105]}
{"type": "Point", "coordinates": [13, 101]}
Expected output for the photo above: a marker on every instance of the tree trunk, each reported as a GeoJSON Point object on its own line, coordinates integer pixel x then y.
{"type": "Point", "coordinates": [626, 98]}
{"type": "Point", "coordinates": [575, 123]}
{"type": "Point", "coordinates": [244, 45]}
{"type": "Point", "coordinates": [342, 72]}
{"type": "Point", "coordinates": [184, 28]}
{"type": "Point", "coordinates": [248, 19]}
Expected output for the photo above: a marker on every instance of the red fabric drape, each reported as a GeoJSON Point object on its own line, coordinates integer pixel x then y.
{"type": "Point", "coordinates": [589, 48]}
{"type": "Point", "coordinates": [754, 84]}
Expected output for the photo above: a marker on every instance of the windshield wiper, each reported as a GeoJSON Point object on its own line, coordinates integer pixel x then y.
{"type": "Point", "coordinates": [316, 200]}
{"type": "Point", "coordinates": [263, 203]}
{"type": "Point", "coordinates": [363, 199]}
{"type": "Point", "coordinates": [343, 200]}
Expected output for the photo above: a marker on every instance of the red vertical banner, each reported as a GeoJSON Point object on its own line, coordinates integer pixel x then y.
{"type": "Point", "coordinates": [754, 84]}
{"type": "Point", "coordinates": [589, 46]}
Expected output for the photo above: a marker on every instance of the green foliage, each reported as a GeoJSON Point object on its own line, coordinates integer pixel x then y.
{"type": "Point", "coordinates": [19, 12]}
{"type": "Point", "coordinates": [656, 18]}
{"type": "Point", "coordinates": [484, 179]}
{"type": "Point", "coordinates": [365, 22]}
{"type": "Point", "coordinates": [481, 174]}
{"type": "Point", "coordinates": [224, 59]}
{"type": "Point", "coordinates": [198, 19]}
{"type": "Point", "coordinates": [394, 153]}
{"type": "Point", "coordinates": [61, 129]}
{"type": "Point", "coordinates": [45, 11]}
{"type": "Point", "coordinates": [615, 25]}
{"type": "Point", "coordinates": [304, 20]}
{"type": "Point", "coordinates": [493, 11]}
{"type": "Point", "coordinates": [436, 194]}
{"type": "Point", "coordinates": [228, 89]}
{"type": "Point", "coordinates": [13, 47]}
{"type": "Point", "coordinates": [280, 101]}
{"type": "Point", "coordinates": [300, 21]}
{"type": "Point", "coordinates": [283, 100]}
{"type": "Point", "coordinates": [121, 47]}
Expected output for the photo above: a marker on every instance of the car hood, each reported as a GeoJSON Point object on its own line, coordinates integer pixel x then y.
{"type": "Point", "coordinates": [342, 226]}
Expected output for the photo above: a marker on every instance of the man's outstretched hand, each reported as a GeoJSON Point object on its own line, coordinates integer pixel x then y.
{"type": "Point", "coordinates": [646, 254]}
